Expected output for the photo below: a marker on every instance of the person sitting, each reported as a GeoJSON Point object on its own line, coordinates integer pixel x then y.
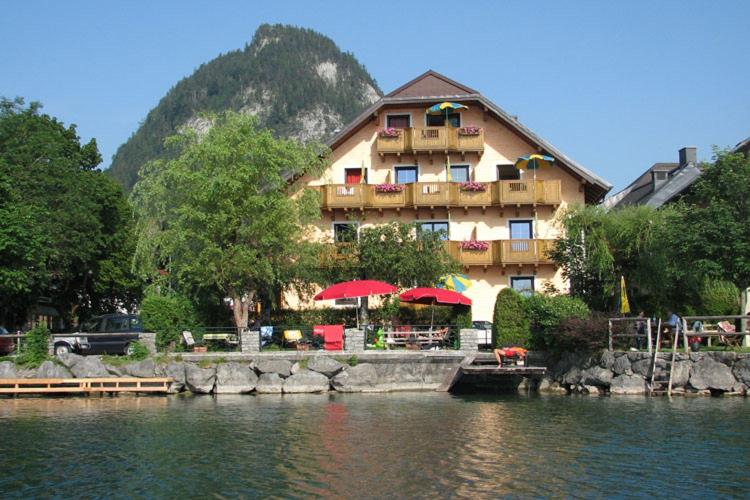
{"type": "Point", "coordinates": [672, 327]}
{"type": "Point", "coordinates": [506, 353]}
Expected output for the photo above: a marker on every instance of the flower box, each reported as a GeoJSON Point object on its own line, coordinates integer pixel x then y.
{"type": "Point", "coordinates": [390, 132]}
{"type": "Point", "coordinates": [473, 186]}
{"type": "Point", "coordinates": [474, 245]}
{"type": "Point", "coordinates": [469, 130]}
{"type": "Point", "coordinates": [389, 188]}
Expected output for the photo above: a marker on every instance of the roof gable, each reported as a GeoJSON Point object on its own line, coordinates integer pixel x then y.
{"type": "Point", "coordinates": [431, 84]}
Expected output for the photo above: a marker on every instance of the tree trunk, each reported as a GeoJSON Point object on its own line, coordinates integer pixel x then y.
{"type": "Point", "coordinates": [241, 308]}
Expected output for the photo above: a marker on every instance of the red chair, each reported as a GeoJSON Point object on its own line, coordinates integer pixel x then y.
{"type": "Point", "coordinates": [333, 336]}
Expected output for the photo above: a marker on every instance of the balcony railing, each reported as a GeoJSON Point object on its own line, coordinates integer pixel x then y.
{"type": "Point", "coordinates": [503, 252]}
{"type": "Point", "coordinates": [430, 139]}
{"type": "Point", "coordinates": [442, 194]}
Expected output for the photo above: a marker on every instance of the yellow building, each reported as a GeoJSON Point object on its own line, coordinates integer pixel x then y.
{"type": "Point", "coordinates": [431, 158]}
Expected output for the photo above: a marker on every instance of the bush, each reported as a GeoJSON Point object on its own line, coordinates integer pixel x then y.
{"type": "Point", "coordinates": [547, 312]}
{"type": "Point", "coordinates": [719, 298]}
{"type": "Point", "coordinates": [510, 323]}
{"type": "Point", "coordinates": [579, 334]}
{"type": "Point", "coordinates": [139, 351]}
{"type": "Point", "coordinates": [35, 347]}
{"type": "Point", "coordinates": [168, 315]}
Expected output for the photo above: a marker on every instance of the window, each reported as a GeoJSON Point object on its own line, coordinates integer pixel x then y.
{"type": "Point", "coordinates": [439, 120]}
{"type": "Point", "coordinates": [459, 173]}
{"type": "Point", "coordinates": [345, 232]}
{"type": "Point", "coordinates": [406, 175]}
{"type": "Point", "coordinates": [354, 175]}
{"type": "Point", "coordinates": [398, 121]}
{"type": "Point", "coordinates": [522, 284]}
{"type": "Point", "coordinates": [508, 173]}
{"type": "Point", "coordinates": [520, 229]}
{"type": "Point", "coordinates": [117, 324]}
{"type": "Point", "coordinates": [434, 227]}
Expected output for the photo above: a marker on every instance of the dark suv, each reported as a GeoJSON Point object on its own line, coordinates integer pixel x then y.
{"type": "Point", "coordinates": [112, 334]}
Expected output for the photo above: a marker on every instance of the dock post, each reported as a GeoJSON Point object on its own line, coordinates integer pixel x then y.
{"type": "Point", "coordinates": [609, 330]}
{"type": "Point", "coordinates": [648, 334]}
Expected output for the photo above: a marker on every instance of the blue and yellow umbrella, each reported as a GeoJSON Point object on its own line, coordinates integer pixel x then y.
{"type": "Point", "coordinates": [535, 161]}
{"type": "Point", "coordinates": [445, 107]}
{"type": "Point", "coordinates": [455, 282]}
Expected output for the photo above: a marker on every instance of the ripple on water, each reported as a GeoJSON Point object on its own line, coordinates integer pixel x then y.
{"type": "Point", "coordinates": [420, 445]}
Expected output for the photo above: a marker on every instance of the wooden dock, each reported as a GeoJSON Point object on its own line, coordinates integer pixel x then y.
{"type": "Point", "coordinates": [83, 385]}
{"type": "Point", "coordinates": [486, 364]}
{"type": "Point", "coordinates": [524, 371]}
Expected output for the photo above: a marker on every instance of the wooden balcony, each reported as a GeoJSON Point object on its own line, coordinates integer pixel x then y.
{"type": "Point", "coordinates": [430, 140]}
{"type": "Point", "coordinates": [503, 252]}
{"type": "Point", "coordinates": [442, 194]}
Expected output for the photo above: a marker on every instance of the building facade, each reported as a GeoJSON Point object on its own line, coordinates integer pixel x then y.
{"type": "Point", "coordinates": [454, 172]}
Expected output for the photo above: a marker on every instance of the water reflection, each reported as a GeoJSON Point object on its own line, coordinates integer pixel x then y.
{"type": "Point", "coordinates": [378, 445]}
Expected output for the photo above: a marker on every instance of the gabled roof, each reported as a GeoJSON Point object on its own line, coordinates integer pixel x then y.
{"type": "Point", "coordinates": [641, 191]}
{"type": "Point", "coordinates": [433, 86]}
{"type": "Point", "coordinates": [431, 83]}
{"type": "Point", "coordinates": [742, 146]}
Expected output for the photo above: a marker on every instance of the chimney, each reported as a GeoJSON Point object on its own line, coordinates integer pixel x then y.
{"type": "Point", "coordinates": [688, 154]}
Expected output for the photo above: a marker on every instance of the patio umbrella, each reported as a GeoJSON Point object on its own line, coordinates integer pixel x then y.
{"type": "Point", "coordinates": [438, 109]}
{"type": "Point", "coordinates": [355, 289]}
{"type": "Point", "coordinates": [624, 302]}
{"type": "Point", "coordinates": [434, 296]}
{"type": "Point", "coordinates": [533, 162]}
{"type": "Point", "coordinates": [454, 282]}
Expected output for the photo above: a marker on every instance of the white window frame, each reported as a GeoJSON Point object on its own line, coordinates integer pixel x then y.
{"type": "Point", "coordinates": [337, 222]}
{"type": "Point", "coordinates": [411, 118]}
{"type": "Point", "coordinates": [464, 164]}
{"type": "Point", "coordinates": [409, 165]}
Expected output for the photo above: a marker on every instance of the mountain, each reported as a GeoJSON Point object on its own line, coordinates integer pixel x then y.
{"type": "Point", "coordinates": [295, 80]}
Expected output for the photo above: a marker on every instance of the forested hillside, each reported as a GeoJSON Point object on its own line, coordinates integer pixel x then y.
{"type": "Point", "coordinates": [296, 81]}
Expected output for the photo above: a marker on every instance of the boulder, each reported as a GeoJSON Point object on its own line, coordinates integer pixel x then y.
{"type": "Point", "coordinates": [607, 360]}
{"type": "Point", "coordinates": [325, 365]}
{"type": "Point", "coordinates": [710, 374]}
{"type": "Point", "coordinates": [199, 380]}
{"type": "Point", "coordinates": [628, 384]}
{"type": "Point", "coordinates": [621, 365]}
{"type": "Point", "coordinates": [549, 385]}
{"type": "Point", "coordinates": [728, 358]}
{"type": "Point", "coordinates": [572, 377]}
{"type": "Point", "coordinates": [8, 370]}
{"type": "Point", "coordinates": [88, 367]}
{"type": "Point", "coordinates": [175, 371]}
{"type": "Point", "coordinates": [643, 366]}
{"type": "Point", "coordinates": [141, 369]}
{"type": "Point", "coordinates": [115, 371]}
{"type": "Point", "coordinates": [680, 373]}
{"type": "Point", "coordinates": [591, 390]}
{"type": "Point", "coordinates": [296, 367]}
{"type": "Point", "coordinates": [235, 378]}
{"type": "Point", "coordinates": [50, 369]}
{"type": "Point", "coordinates": [280, 366]}
{"type": "Point", "coordinates": [269, 383]}
{"type": "Point", "coordinates": [306, 381]}
{"type": "Point", "coordinates": [360, 378]}
{"type": "Point", "coordinates": [741, 371]}
{"type": "Point", "coordinates": [637, 356]}
{"type": "Point", "coordinates": [69, 359]}
{"type": "Point", "coordinates": [597, 376]}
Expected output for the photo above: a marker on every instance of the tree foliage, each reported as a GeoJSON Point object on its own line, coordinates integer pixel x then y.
{"type": "Point", "coordinates": [64, 226]}
{"type": "Point", "coordinates": [510, 323]}
{"type": "Point", "coordinates": [168, 314]}
{"type": "Point", "coordinates": [280, 76]}
{"type": "Point", "coordinates": [222, 215]}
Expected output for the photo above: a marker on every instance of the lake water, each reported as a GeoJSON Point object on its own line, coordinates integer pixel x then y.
{"type": "Point", "coordinates": [418, 445]}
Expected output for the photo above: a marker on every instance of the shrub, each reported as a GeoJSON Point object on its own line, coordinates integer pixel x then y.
{"type": "Point", "coordinates": [547, 312]}
{"type": "Point", "coordinates": [510, 323]}
{"type": "Point", "coordinates": [579, 334]}
{"type": "Point", "coordinates": [168, 315]}
{"type": "Point", "coordinates": [719, 298]}
{"type": "Point", "coordinates": [35, 348]}
{"type": "Point", "coordinates": [139, 351]}
{"type": "Point", "coordinates": [463, 320]}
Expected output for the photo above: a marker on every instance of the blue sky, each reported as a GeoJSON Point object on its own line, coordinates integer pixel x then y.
{"type": "Point", "coordinates": [615, 85]}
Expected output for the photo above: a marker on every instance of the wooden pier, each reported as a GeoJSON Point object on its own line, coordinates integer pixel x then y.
{"type": "Point", "coordinates": [83, 385]}
{"type": "Point", "coordinates": [485, 365]}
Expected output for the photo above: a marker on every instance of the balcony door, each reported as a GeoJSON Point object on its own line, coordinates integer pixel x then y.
{"type": "Point", "coordinates": [508, 172]}
{"type": "Point", "coordinates": [460, 173]}
{"type": "Point", "coordinates": [439, 120]}
{"type": "Point", "coordinates": [440, 227]}
{"type": "Point", "coordinates": [398, 121]}
{"type": "Point", "coordinates": [405, 175]}
{"type": "Point", "coordinates": [521, 232]}
{"type": "Point", "coordinates": [354, 175]}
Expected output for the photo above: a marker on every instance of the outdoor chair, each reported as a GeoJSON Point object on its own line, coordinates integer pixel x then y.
{"type": "Point", "coordinates": [728, 340]}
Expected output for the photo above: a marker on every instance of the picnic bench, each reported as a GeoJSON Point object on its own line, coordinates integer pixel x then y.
{"type": "Point", "coordinates": [397, 338]}
{"type": "Point", "coordinates": [721, 327]}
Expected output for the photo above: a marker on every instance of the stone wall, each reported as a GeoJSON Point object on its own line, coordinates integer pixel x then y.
{"type": "Point", "coordinates": [630, 372]}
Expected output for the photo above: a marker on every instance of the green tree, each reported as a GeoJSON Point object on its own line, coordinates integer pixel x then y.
{"type": "Point", "coordinates": [63, 223]}
{"type": "Point", "coordinates": [223, 215]}
{"type": "Point", "coordinates": [510, 324]}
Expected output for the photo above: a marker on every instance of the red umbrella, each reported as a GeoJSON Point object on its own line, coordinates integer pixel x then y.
{"type": "Point", "coordinates": [356, 288]}
{"type": "Point", "coordinates": [434, 296]}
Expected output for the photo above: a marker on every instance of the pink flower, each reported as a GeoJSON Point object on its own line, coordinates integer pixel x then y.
{"type": "Point", "coordinates": [473, 186]}
{"type": "Point", "coordinates": [478, 246]}
{"type": "Point", "coordinates": [469, 130]}
{"type": "Point", "coordinates": [389, 188]}
{"type": "Point", "coordinates": [390, 132]}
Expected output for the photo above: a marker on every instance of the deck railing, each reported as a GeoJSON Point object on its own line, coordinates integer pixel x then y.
{"type": "Point", "coordinates": [442, 194]}
{"type": "Point", "coordinates": [502, 252]}
{"type": "Point", "coordinates": [430, 139]}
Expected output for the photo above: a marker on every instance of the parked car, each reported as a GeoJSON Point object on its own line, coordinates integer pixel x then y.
{"type": "Point", "coordinates": [484, 332]}
{"type": "Point", "coordinates": [121, 329]}
{"type": "Point", "coordinates": [7, 345]}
